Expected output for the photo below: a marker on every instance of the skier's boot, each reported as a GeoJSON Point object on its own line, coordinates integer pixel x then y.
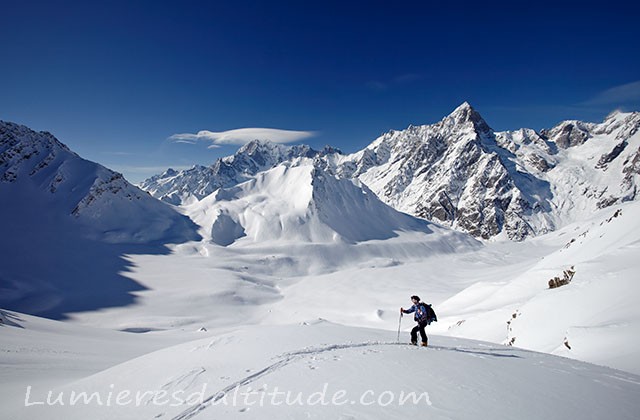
{"type": "Point", "coordinates": [414, 343]}
{"type": "Point", "coordinates": [424, 344]}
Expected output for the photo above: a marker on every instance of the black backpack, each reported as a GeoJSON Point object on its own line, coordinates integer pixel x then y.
{"type": "Point", "coordinates": [429, 314]}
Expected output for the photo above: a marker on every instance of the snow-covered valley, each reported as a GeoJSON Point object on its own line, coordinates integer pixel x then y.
{"type": "Point", "coordinates": [291, 281]}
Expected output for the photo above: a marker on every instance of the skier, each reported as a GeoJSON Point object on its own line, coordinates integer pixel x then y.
{"type": "Point", "coordinates": [420, 316]}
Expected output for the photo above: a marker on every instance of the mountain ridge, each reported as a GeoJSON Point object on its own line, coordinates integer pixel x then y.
{"type": "Point", "coordinates": [187, 186]}
{"type": "Point", "coordinates": [461, 173]}
{"type": "Point", "coordinates": [308, 204]}
{"type": "Point", "coordinates": [87, 193]}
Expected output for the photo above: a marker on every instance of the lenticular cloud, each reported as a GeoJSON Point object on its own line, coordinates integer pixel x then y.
{"type": "Point", "coordinates": [242, 136]}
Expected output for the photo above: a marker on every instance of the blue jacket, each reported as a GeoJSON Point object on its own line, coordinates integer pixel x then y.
{"type": "Point", "coordinates": [420, 311]}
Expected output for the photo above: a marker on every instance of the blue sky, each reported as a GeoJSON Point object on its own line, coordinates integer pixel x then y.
{"type": "Point", "coordinates": [117, 81]}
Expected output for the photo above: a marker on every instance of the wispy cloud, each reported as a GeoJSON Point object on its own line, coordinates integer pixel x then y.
{"type": "Point", "coordinates": [180, 140]}
{"type": "Point", "coordinates": [617, 95]}
{"type": "Point", "coordinates": [242, 136]}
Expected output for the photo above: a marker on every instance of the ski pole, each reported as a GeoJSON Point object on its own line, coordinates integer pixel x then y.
{"type": "Point", "coordinates": [399, 322]}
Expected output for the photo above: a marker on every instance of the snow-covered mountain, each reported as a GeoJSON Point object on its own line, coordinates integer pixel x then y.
{"type": "Point", "coordinates": [452, 172]}
{"type": "Point", "coordinates": [460, 173]}
{"type": "Point", "coordinates": [521, 183]}
{"type": "Point", "coordinates": [297, 201]}
{"type": "Point", "coordinates": [595, 166]}
{"type": "Point", "coordinates": [39, 171]}
{"type": "Point", "coordinates": [67, 224]}
{"type": "Point", "coordinates": [187, 186]}
{"type": "Point", "coordinates": [303, 294]}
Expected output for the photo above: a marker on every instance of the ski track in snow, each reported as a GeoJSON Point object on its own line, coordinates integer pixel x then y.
{"type": "Point", "coordinates": [290, 357]}
{"type": "Point", "coordinates": [187, 378]}
{"type": "Point", "coordinates": [285, 359]}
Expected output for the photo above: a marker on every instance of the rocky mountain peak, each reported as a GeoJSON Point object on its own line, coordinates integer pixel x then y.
{"type": "Point", "coordinates": [465, 114]}
{"type": "Point", "coordinates": [460, 173]}
{"type": "Point", "coordinates": [257, 145]}
{"type": "Point", "coordinates": [568, 134]}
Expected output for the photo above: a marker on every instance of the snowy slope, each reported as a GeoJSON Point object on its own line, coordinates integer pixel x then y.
{"type": "Point", "coordinates": [595, 317]}
{"type": "Point", "coordinates": [303, 240]}
{"type": "Point", "coordinates": [476, 290]}
{"type": "Point", "coordinates": [299, 202]}
{"type": "Point", "coordinates": [40, 351]}
{"type": "Point", "coordinates": [37, 170]}
{"type": "Point", "coordinates": [67, 224]}
{"type": "Point", "coordinates": [322, 370]}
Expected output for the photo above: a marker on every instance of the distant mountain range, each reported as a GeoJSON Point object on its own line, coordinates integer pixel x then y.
{"type": "Point", "coordinates": [198, 182]}
{"type": "Point", "coordinates": [459, 172]}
